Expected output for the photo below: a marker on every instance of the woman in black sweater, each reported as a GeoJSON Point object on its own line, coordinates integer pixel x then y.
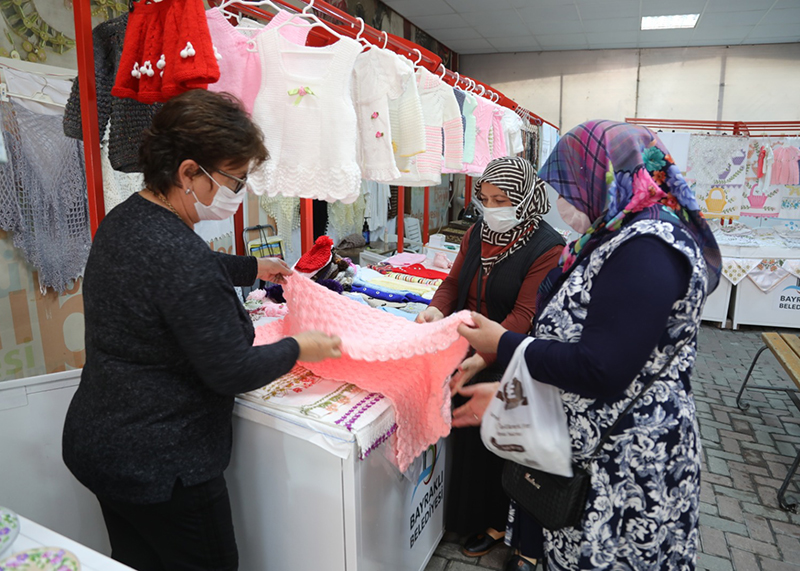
{"type": "Point", "coordinates": [168, 344]}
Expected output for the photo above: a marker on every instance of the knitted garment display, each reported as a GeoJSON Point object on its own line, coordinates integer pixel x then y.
{"type": "Point", "coordinates": [376, 196]}
{"type": "Point", "coordinates": [317, 257]}
{"type": "Point", "coordinates": [470, 128]}
{"type": "Point", "coordinates": [117, 186]}
{"type": "Point", "coordinates": [43, 198]}
{"type": "Point", "coordinates": [499, 141]}
{"type": "Point", "coordinates": [512, 128]}
{"type": "Point", "coordinates": [785, 169]}
{"type": "Point", "coordinates": [286, 214]}
{"type": "Point", "coordinates": [760, 198]}
{"type": "Point", "coordinates": [128, 118]}
{"type": "Point", "coordinates": [407, 362]}
{"type": "Point", "coordinates": [305, 109]}
{"type": "Point", "coordinates": [167, 51]}
{"type": "Point", "coordinates": [716, 173]}
{"type": "Point", "coordinates": [346, 219]}
{"type": "Point", "coordinates": [441, 113]}
{"type": "Point", "coordinates": [378, 76]}
{"type": "Point", "coordinates": [240, 66]}
{"type": "Point", "coordinates": [483, 125]}
{"type": "Point", "coordinates": [407, 123]}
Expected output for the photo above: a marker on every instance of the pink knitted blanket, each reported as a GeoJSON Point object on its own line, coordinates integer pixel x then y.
{"type": "Point", "coordinates": [409, 363]}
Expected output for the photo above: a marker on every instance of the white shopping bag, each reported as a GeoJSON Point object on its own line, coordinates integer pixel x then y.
{"type": "Point", "coordinates": [526, 422]}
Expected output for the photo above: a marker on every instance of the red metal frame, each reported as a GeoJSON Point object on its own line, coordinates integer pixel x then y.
{"type": "Point", "coordinates": [733, 127]}
{"type": "Point", "coordinates": [401, 207]}
{"type": "Point", "coordinates": [426, 214]}
{"type": "Point", "coordinates": [84, 46]}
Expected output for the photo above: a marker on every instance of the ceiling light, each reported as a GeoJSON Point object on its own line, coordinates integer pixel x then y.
{"type": "Point", "coordinates": [669, 22]}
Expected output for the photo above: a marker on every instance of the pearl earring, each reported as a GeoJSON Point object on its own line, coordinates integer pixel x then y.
{"type": "Point", "coordinates": [188, 190]}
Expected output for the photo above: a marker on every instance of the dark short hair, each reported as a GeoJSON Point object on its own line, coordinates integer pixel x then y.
{"type": "Point", "coordinates": [209, 128]}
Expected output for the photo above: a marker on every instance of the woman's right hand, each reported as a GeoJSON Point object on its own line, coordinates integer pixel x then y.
{"type": "Point", "coordinates": [429, 315]}
{"type": "Point", "coordinates": [468, 368]}
{"type": "Point", "coordinates": [318, 346]}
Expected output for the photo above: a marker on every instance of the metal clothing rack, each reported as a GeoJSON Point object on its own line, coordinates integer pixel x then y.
{"type": "Point", "coordinates": [745, 128]}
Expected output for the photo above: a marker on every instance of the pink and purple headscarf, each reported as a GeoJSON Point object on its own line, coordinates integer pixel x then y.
{"type": "Point", "coordinates": [609, 170]}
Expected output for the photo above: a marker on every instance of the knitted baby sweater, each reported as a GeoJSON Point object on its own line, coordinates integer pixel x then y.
{"type": "Point", "coordinates": [499, 143]}
{"type": "Point", "coordinates": [440, 111]}
{"type": "Point", "coordinates": [512, 128]}
{"type": "Point", "coordinates": [471, 128]}
{"type": "Point", "coordinates": [239, 64]}
{"type": "Point", "coordinates": [167, 51]}
{"type": "Point", "coordinates": [128, 118]}
{"type": "Point", "coordinates": [378, 77]}
{"type": "Point", "coordinates": [305, 109]}
{"type": "Point", "coordinates": [483, 125]}
{"type": "Point", "coordinates": [407, 123]}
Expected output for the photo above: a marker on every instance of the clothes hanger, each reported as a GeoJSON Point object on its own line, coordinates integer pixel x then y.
{"type": "Point", "coordinates": [359, 38]}
{"type": "Point", "coordinates": [444, 71]}
{"type": "Point", "coordinates": [385, 40]}
{"type": "Point", "coordinates": [416, 63]}
{"type": "Point", "coordinates": [312, 21]}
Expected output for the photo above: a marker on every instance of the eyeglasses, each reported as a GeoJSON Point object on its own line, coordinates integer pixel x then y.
{"type": "Point", "coordinates": [240, 182]}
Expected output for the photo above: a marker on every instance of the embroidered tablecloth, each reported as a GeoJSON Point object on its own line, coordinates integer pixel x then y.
{"type": "Point", "coordinates": [368, 416]}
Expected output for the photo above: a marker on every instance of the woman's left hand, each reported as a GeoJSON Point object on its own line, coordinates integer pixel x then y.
{"type": "Point", "coordinates": [471, 412]}
{"type": "Point", "coordinates": [485, 335]}
{"type": "Point", "coordinates": [273, 270]}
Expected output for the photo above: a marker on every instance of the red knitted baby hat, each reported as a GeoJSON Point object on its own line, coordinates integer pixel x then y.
{"type": "Point", "coordinates": [317, 257]}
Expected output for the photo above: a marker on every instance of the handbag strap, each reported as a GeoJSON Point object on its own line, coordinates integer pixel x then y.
{"type": "Point", "coordinates": [650, 383]}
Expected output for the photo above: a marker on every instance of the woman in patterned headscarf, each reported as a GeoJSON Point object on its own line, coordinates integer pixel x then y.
{"type": "Point", "coordinates": [627, 296]}
{"type": "Point", "coordinates": [504, 256]}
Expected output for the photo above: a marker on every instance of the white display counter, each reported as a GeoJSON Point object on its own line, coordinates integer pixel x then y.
{"type": "Point", "coordinates": [303, 500]}
{"type": "Point", "coordinates": [34, 480]}
{"type": "Point", "coordinates": [780, 305]}
{"type": "Point", "coordinates": [717, 304]}
{"type": "Point", "coordinates": [32, 535]}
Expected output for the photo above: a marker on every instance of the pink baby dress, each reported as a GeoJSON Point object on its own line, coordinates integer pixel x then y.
{"type": "Point", "coordinates": [239, 64]}
{"type": "Point", "coordinates": [785, 169]}
{"type": "Point", "coordinates": [483, 124]}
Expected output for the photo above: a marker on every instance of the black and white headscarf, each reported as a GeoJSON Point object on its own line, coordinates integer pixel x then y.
{"type": "Point", "coordinates": [518, 179]}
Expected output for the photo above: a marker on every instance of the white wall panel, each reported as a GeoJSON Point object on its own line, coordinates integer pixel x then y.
{"type": "Point", "coordinates": [681, 83]}
{"type": "Point", "coordinates": [762, 82]}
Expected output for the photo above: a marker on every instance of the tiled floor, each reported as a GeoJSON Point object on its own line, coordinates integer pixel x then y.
{"type": "Point", "coordinates": [746, 454]}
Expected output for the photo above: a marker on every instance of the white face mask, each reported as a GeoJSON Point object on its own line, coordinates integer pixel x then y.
{"type": "Point", "coordinates": [573, 217]}
{"type": "Point", "coordinates": [501, 219]}
{"type": "Point", "coordinates": [225, 203]}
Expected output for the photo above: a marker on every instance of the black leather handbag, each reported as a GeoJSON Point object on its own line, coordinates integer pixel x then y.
{"type": "Point", "coordinates": [554, 501]}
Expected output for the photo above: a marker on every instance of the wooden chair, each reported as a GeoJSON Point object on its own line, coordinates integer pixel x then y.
{"type": "Point", "coordinates": [786, 348]}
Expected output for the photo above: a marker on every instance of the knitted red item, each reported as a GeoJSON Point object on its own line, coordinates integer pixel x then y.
{"type": "Point", "coordinates": [143, 38]}
{"type": "Point", "coordinates": [421, 271]}
{"type": "Point", "coordinates": [317, 257]}
{"type": "Point", "coordinates": [152, 67]}
{"type": "Point", "coordinates": [188, 26]}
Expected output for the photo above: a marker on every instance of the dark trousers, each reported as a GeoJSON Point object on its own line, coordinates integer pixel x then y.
{"type": "Point", "coordinates": [193, 531]}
